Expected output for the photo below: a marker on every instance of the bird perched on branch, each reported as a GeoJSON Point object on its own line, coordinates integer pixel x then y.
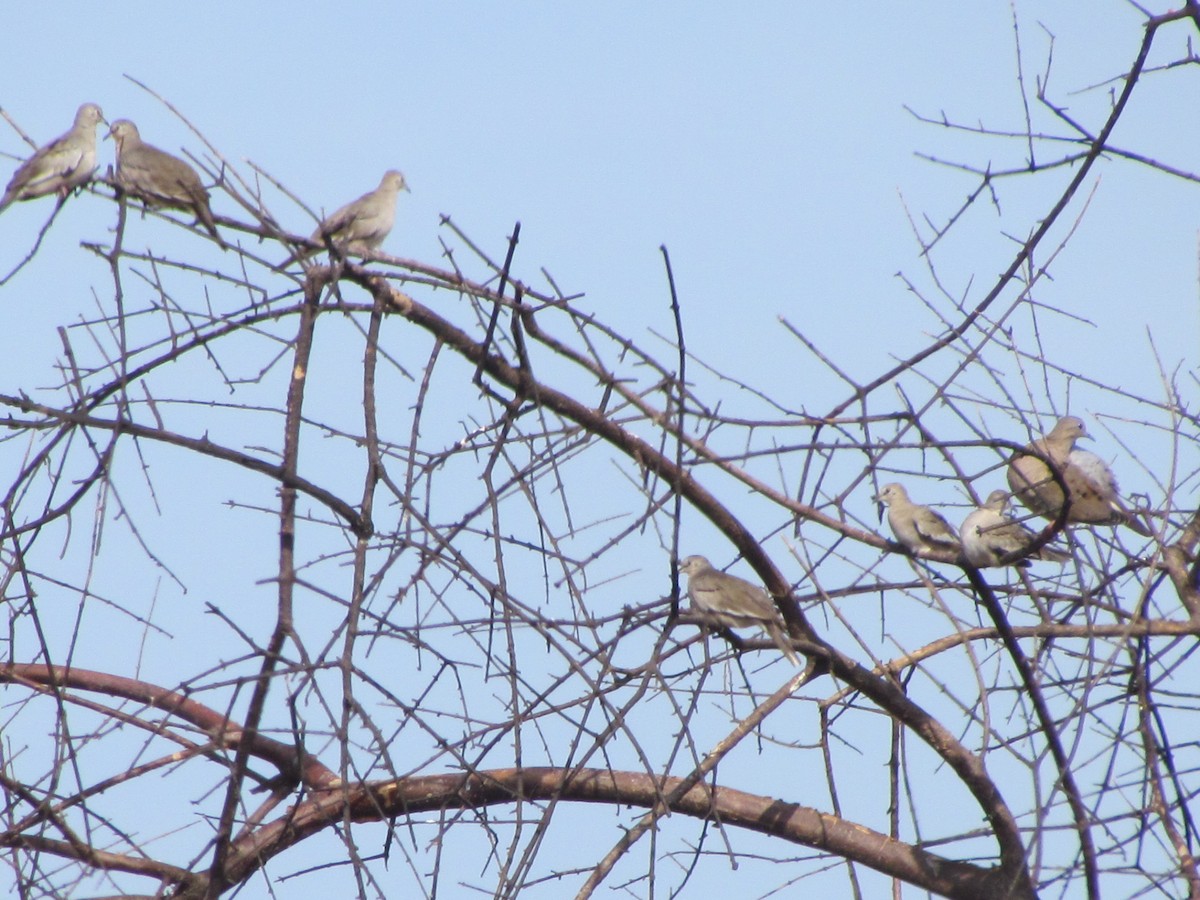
{"type": "Point", "coordinates": [1094, 497]}
{"type": "Point", "coordinates": [359, 226]}
{"type": "Point", "coordinates": [916, 527]}
{"type": "Point", "coordinates": [734, 602]}
{"type": "Point", "coordinates": [990, 538]}
{"type": "Point", "coordinates": [157, 178]}
{"type": "Point", "coordinates": [62, 165]}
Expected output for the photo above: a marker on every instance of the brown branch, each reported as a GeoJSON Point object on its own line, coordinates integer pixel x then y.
{"type": "Point", "coordinates": [280, 473]}
{"type": "Point", "coordinates": [299, 767]}
{"type": "Point", "coordinates": [284, 627]}
{"type": "Point", "coordinates": [788, 821]}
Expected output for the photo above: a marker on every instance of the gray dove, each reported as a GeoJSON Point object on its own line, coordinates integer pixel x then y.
{"type": "Point", "coordinates": [990, 538]}
{"type": "Point", "coordinates": [359, 226]}
{"type": "Point", "coordinates": [1094, 497]}
{"type": "Point", "coordinates": [916, 527]}
{"type": "Point", "coordinates": [734, 602]}
{"type": "Point", "coordinates": [157, 178]}
{"type": "Point", "coordinates": [67, 162]}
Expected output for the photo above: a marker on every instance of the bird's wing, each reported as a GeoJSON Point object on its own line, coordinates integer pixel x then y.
{"type": "Point", "coordinates": [1096, 471]}
{"type": "Point", "coordinates": [340, 226]}
{"type": "Point", "coordinates": [934, 529]}
{"type": "Point", "coordinates": [48, 168]}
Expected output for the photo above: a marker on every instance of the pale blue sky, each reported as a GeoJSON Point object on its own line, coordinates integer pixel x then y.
{"type": "Point", "coordinates": [766, 145]}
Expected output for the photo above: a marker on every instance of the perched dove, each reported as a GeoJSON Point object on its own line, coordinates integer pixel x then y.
{"type": "Point", "coordinates": [990, 538]}
{"type": "Point", "coordinates": [916, 527]}
{"type": "Point", "coordinates": [734, 601]}
{"type": "Point", "coordinates": [157, 178]}
{"type": "Point", "coordinates": [359, 226]}
{"type": "Point", "coordinates": [1093, 489]}
{"type": "Point", "coordinates": [67, 162]}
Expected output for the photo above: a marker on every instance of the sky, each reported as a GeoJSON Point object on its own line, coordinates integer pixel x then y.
{"type": "Point", "coordinates": [771, 148]}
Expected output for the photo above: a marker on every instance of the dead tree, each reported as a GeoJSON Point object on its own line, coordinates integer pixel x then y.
{"type": "Point", "coordinates": [377, 559]}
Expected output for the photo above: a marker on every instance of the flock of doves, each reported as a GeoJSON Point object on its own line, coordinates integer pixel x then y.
{"type": "Point", "coordinates": [158, 180]}
{"type": "Point", "coordinates": [987, 537]}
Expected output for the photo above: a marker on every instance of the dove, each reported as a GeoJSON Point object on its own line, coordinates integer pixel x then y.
{"type": "Point", "coordinates": [67, 162]}
{"type": "Point", "coordinates": [916, 527]}
{"type": "Point", "coordinates": [157, 178]}
{"type": "Point", "coordinates": [361, 225]}
{"type": "Point", "coordinates": [1094, 496]}
{"type": "Point", "coordinates": [990, 538]}
{"type": "Point", "coordinates": [734, 601]}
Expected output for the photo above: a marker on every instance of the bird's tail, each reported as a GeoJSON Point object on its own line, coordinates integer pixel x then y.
{"type": "Point", "coordinates": [1051, 554]}
{"type": "Point", "coordinates": [1131, 521]}
{"type": "Point", "coordinates": [204, 214]}
{"type": "Point", "coordinates": [300, 253]}
{"type": "Point", "coordinates": [779, 636]}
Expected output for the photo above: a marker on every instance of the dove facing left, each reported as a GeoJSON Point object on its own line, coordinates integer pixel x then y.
{"type": "Point", "coordinates": [915, 526]}
{"type": "Point", "coordinates": [734, 602]}
{"type": "Point", "coordinates": [157, 178]}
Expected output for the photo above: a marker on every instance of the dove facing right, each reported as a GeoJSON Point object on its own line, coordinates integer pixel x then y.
{"type": "Point", "coordinates": [62, 165]}
{"type": "Point", "coordinates": [1090, 483]}
{"type": "Point", "coordinates": [362, 224]}
{"type": "Point", "coordinates": [990, 538]}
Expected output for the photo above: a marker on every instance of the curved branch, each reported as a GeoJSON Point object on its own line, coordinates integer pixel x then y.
{"type": "Point", "coordinates": [291, 763]}
{"type": "Point", "coordinates": [204, 446]}
{"type": "Point", "coordinates": [766, 815]}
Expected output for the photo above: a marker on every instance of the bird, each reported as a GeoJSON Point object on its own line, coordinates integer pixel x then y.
{"type": "Point", "coordinates": [157, 178]}
{"type": "Point", "coordinates": [62, 165]}
{"type": "Point", "coordinates": [1094, 496]}
{"type": "Point", "coordinates": [360, 225]}
{"type": "Point", "coordinates": [990, 538]}
{"type": "Point", "coordinates": [916, 527]}
{"type": "Point", "coordinates": [734, 602]}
